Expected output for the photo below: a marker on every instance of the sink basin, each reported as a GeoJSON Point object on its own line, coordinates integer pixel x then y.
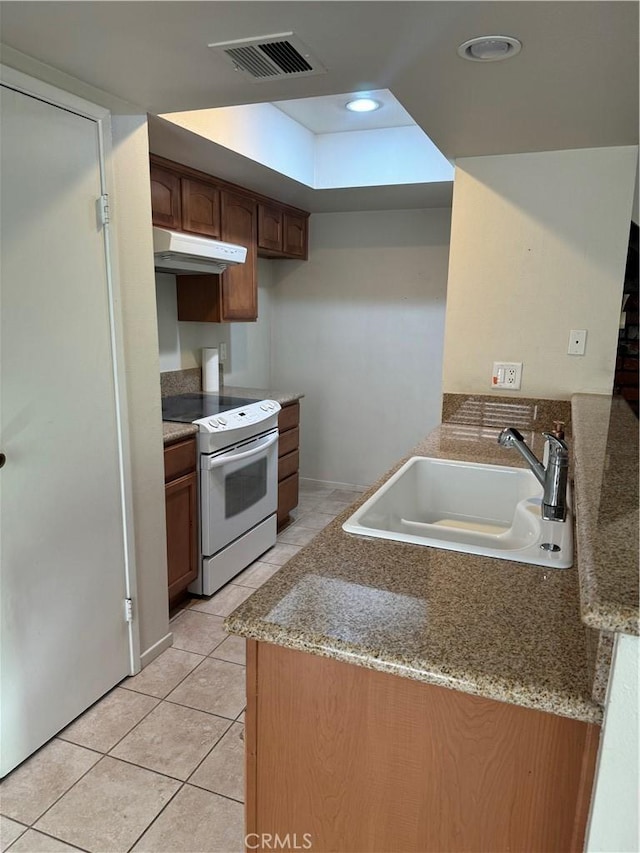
{"type": "Point", "coordinates": [491, 510]}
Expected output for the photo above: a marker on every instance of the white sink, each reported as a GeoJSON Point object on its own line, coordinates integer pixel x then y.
{"type": "Point", "coordinates": [490, 510]}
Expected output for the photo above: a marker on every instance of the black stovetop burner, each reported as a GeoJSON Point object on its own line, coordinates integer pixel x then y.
{"type": "Point", "coordinates": [187, 408]}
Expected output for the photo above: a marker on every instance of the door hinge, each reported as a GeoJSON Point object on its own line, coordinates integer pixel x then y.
{"type": "Point", "coordinates": [128, 610]}
{"type": "Point", "coordinates": [102, 204]}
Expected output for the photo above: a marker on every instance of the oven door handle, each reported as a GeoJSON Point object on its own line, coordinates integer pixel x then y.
{"type": "Point", "coordinates": [218, 461]}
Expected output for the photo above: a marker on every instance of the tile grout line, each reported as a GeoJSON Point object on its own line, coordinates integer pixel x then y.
{"type": "Point", "coordinates": [200, 763]}
{"type": "Point", "coordinates": [144, 717]}
{"type": "Point", "coordinates": [48, 834]}
{"type": "Point", "coordinates": [148, 827]}
{"type": "Point", "coordinates": [101, 754]}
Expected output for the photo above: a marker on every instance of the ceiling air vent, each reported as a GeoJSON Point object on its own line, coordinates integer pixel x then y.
{"type": "Point", "coordinates": [266, 57]}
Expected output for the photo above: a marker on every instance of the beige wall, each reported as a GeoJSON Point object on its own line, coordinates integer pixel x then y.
{"type": "Point", "coordinates": [358, 329]}
{"type": "Point", "coordinates": [538, 247]}
{"type": "Point", "coordinates": [131, 217]}
{"type": "Point", "coordinates": [248, 344]}
{"type": "Point", "coordinates": [131, 207]}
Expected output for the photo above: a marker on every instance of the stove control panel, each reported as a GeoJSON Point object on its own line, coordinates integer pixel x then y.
{"type": "Point", "coordinates": [251, 415]}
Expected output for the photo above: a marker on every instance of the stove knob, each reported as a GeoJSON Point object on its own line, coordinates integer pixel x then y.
{"type": "Point", "coordinates": [264, 407]}
{"type": "Point", "coordinates": [214, 423]}
{"type": "Point", "coordinates": [222, 421]}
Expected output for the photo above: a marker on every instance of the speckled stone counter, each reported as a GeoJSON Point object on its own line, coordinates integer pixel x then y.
{"type": "Point", "coordinates": [492, 628]}
{"type": "Point", "coordinates": [189, 381]}
{"type": "Point", "coordinates": [172, 431]}
{"type": "Point", "coordinates": [605, 434]}
{"type": "Point", "coordinates": [282, 397]}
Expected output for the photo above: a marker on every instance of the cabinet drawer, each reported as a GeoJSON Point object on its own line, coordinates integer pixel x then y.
{"type": "Point", "coordinates": [179, 459]}
{"type": "Point", "coordinates": [287, 497]}
{"type": "Point", "coordinates": [288, 465]}
{"type": "Point", "coordinates": [289, 416]}
{"type": "Point", "coordinates": [288, 441]}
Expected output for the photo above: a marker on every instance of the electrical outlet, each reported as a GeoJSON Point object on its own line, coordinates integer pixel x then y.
{"type": "Point", "coordinates": [507, 374]}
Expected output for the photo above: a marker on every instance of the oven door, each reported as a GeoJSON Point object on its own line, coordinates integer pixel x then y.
{"type": "Point", "coordinates": [238, 489]}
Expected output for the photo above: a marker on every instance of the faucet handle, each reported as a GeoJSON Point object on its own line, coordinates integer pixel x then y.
{"type": "Point", "coordinates": [557, 446]}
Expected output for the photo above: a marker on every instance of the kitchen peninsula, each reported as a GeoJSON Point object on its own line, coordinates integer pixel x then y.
{"type": "Point", "coordinates": [415, 699]}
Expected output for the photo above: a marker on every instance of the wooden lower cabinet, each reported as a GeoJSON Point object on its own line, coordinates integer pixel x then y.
{"type": "Point", "coordinates": [343, 758]}
{"type": "Point", "coordinates": [181, 505]}
{"type": "Point", "coordinates": [288, 461]}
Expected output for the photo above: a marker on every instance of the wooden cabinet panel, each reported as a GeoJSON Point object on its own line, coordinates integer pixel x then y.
{"type": "Point", "coordinates": [198, 298]}
{"type": "Point", "coordinates": [289, 416]}
{"type": "Point", "coordinates": [395, 764]}
{"type": "Point", "coordinates": [179, 459]}
{"type": "Point", "coordinates": [239, 286]}
{"type": "Point", "coordinates": [181, 501]}
{"type": "Point", "coordinates": [294, 241]}
{"type": "Point", "coordinates": [185, 199]}
{"type": "Point", "coordinates": [269, 227]}
{"type": "Point", "coordinates": [165, 198]}
{"type": "Point", "coordinates": [287, 497]}
{"type": "Point", "coordinates": [288, 465]}
{"type": "Point", "coordinates": [288, 441]}
{"type": "Point", "coordinates": [181, 506]}
{"type": "Point", "coordinates": [289, 460]}
{"type": "Point", "coordinates": [201, 208]}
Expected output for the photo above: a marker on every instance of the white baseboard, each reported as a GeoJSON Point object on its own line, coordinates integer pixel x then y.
{"type": "Point", "coordinates": [330, 484]}
{"type": "Point", "coordinates": [156, 649]}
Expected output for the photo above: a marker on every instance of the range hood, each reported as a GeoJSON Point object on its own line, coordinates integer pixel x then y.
{"type": "Point", "coordinates": [175, 252]}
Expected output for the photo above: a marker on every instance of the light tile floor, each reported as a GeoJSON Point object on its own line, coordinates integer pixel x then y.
{"type": "Point", "coordinates": [157, 764]}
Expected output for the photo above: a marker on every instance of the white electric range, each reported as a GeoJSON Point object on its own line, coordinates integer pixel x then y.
{"type": "Point", "coordinates": [238, 480]}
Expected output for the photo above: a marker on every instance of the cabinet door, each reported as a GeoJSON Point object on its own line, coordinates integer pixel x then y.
{"type": "Point", "coordinates": [201, 208]}
{"type": "Point", "coordinates": [269, 227]}
{"type": "Point", "coordinates": [295, 236]}
{"type": "Point", "coordinates": [181, 499]}
{"type": "Point", "coordinates": [239, 286]}
{"type": "Point", "coordinates": [165, 198]}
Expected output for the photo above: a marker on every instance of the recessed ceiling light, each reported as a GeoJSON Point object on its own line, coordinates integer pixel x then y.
{"type": "Point", "coordinates": [489, 48]}
{"type": "Point", "coordinates": [363, 105]}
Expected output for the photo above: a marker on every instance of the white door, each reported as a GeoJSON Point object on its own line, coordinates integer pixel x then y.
{"type": "Point", "coordinates": [64, 640]}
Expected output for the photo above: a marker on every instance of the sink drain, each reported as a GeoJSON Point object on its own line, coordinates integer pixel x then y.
{"type": "Point", "coordinates": [549, 546]}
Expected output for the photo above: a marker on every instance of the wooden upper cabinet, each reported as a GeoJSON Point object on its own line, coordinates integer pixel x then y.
{"type": "Point", "coordinates": [184, 199]}
{"type": "Point", "coordinates": [270, 227]}
{"type": "Point", "coordinates": [239, 286]}
{"type": "Point", "coordinates": [294, 240]}
{"type": "Point", "coordinates": [282, 233]}
{"type": "Point", "coordinates": [165, 198]}
{"type": "Point", "coordinates": [201, 208]}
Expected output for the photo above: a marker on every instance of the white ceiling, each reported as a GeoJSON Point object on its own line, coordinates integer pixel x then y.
{"type": "Point", "coordinates": [177, 143]}
{"type": "Point", "coordinates": [575, 83]}
{"type": "Point", "coordinates": [328, 114]}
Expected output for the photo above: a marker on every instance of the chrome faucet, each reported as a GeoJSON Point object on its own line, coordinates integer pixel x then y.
{"type": "Point", "coordinates": [553, 478]}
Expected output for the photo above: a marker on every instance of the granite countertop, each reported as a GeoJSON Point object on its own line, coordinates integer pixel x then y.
{"type": "Point", "coordinates": [282, 397]}
{"type": "Point", "coordinates": [606, 486]}
{"type": "Point", "coordinates": [488, 627]}
{"type": "Point", "coordinates": [173, 431]}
